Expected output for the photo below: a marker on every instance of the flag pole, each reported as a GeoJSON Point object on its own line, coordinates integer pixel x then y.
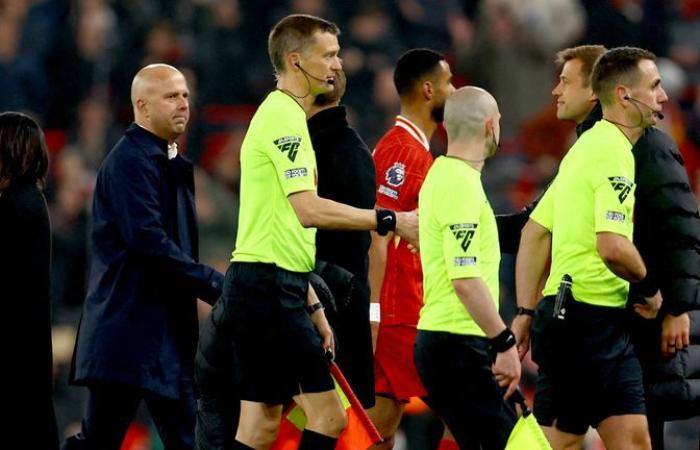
{"type": "Point", "coordinates": [355, 403]}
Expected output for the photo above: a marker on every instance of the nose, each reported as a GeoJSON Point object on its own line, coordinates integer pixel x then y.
{"type": "Point", "coordinates": [556, 92]}
{"type": "Point", "coordinates": [337, 64]}
{"type": "Point", "coordinates": [664, 97]}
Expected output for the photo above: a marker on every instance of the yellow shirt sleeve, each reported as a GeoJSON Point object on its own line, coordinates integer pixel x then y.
{"type": "Point", "coordinates": [543, 213]}
{"type": "Point", "coordinates": [461, 232]}
{"type": "Point", "coordinates": [293, 157]}
{"type": "Point", "coordinates": [613, 191]}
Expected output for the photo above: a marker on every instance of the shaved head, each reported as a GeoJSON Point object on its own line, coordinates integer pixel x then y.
{"type": "Point", "coordinates": [466, 112]}
{"type": "Point", "coordinates": [147, 78]}
{"type": "Point", "coordinates": [159, 96]}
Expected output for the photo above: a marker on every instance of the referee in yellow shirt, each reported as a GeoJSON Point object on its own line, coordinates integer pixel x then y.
{"type": "Point", "coordinates": [588, 372]}
{"type": "Point", "coordinates": [464, 353]}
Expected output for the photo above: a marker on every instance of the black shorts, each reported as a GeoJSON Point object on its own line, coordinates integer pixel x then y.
{"type": "Point", "coordinates": [456, 371]}
{"type": "Point", "coordinates": [278, 350]}
{"type": "Point", "coordinates": [591, 372]}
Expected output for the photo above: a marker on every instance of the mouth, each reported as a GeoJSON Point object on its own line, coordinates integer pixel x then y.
{"type": "Point", "coordinates": [330, 80]}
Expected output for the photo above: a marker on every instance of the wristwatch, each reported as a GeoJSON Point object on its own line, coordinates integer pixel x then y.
{"type": "Point", "coordinates": [522, 311]}
{"type": "Point", "coordinates": [315, 307]}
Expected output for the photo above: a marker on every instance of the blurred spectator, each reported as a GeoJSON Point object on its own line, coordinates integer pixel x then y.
{"type": "Point", "coordinates": [636, 23]}
{"type": "Point", "coordinates": [223, 53]}
{"type": "Point", "coordinates": [71, 190]}
{"type": "Point", "coordinates": [26, 28]}
{"type": "Point", "coordinates": [217, 215]}
{"type": "Point", "coordinates": [510, 54]}
{"type": "Point", "coordinates": [82, 60]}
{"type": "Point", "coordinates": [71, 61]}
{"type": "Point", "coordinates": [426, 23]}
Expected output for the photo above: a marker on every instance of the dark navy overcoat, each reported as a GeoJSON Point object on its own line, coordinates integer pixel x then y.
{"type": "Point", "coordinates": [139, 323]}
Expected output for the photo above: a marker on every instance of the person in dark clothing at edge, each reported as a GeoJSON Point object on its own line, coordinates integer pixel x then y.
{"type": "Point", "coordinates": [138, 332]}
{"type": "Point", "coordinates": [667, 234]}
{"type": "Point", "coordinates": [346, 175]}
{"type": "Point", "coordinates": [25, 245]}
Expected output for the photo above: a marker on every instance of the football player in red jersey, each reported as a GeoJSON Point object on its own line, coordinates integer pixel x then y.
{"type": "Point", "coordinates": [402, 158]}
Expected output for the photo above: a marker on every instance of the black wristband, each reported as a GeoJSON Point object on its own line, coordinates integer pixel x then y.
{"type": "Point", "coordinates": [522, 311]}
{"type": "Point", "coordinates": [386, 221]}
{"type": "Point", "coordinates": [503, 342]}
{"type": "Point", "coordinates": [315, 307]}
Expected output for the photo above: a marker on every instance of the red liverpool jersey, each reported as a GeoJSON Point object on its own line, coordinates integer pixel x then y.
{"type": "Point", "coordinates": [402, 159]}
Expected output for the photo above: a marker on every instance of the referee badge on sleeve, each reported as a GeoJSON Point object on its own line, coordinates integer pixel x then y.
{"type": "Point", "coordinates": [464, 233]}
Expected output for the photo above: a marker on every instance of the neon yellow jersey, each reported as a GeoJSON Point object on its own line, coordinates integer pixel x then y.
{"type": "Point", "coordinates": [277, 160]}
{"type": "Point", "coordinates": [592, 193]}
{"type": "Point", "coordinates": [458, 239]}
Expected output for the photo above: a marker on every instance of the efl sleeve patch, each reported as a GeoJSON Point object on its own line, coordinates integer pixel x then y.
{"type": "Point", "coordinates": [622, 187]}
{"type": "Point", "coordinates": [288, 145]}
{"type": "Point", "coordinates": [464, 233]}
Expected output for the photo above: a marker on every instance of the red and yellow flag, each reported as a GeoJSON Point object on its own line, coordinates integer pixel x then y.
{"type": "Point", "coordinates": [360, 433]}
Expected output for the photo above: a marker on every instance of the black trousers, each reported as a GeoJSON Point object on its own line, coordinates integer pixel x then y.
{"type": "Point", "coordinates": [112, 407]}
{"type": "Point", "coordinates": [456, 371]}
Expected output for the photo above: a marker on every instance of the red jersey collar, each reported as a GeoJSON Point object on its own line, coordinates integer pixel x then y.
{"type": "Point", "coordinates": [413, 130]}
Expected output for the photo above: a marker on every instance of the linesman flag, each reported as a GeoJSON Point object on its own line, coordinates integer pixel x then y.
{"type": "Point", "coordinates": [360, 434]}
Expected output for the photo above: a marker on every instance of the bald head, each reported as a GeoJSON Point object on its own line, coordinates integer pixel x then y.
{"type": "Point", "coordinates": [467, 112]}
{"type": "Point", "coordinates": [159, 96]}
{"type": "Point", "coordinates": [148, 78]}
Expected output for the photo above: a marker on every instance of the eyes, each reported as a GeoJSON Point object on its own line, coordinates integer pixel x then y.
{"type": "Point", "coordinates": [176, 95]}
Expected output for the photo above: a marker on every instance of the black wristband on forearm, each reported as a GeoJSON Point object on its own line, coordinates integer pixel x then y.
{"type": "Point", "coordinates": [386, 221]}
{"type": "Point", "coordinates": [503, 342]}
{"type": "Point", "coordinates": [523, 311]}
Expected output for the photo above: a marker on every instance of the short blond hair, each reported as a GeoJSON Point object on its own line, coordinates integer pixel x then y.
{"type": "Point", "coordinates": [587, 54]}
{"type": "Point", "coordinates": [294, 33]}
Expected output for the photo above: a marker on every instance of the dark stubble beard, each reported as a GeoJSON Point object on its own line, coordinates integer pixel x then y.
{"type": "Point", "coordinates": [438, 113]}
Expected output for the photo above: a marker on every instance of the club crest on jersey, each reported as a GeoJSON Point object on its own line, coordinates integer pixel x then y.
{"type": "Point", "coordinates": [396, 174]}
{"type": "Point", "coordinates": [621, 185]}
{"type": "Point", "coordinates": [464, 232]}
{"type": "Point", "coordinates": [290, 145]}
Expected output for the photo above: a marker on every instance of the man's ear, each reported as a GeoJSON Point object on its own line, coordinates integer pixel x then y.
{"type": "Point", "coordinates": [142, 106]}
{"type": "Point", "coordinates": [622, 94]}
{"type": "Point", "coordinates": [592, 98]}
{"type": "Point", "coordinates": [293, 61]}
{"type": "Point", "coordinates": [427, 90]}
{"type": "Point", "coordinates": [488, 126]}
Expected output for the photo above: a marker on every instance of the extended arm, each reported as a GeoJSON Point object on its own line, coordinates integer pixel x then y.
{"type": "Point", "coordinates": [530, 270]}
{"type": "Point", "coordinates": [475, 296]}
{"type": "Point", "coordinates": [315, 211]}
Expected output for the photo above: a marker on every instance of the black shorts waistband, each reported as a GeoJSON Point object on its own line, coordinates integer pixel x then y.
{"type": "Point", "coordinates": [580, 308]}
{"type": "Point", "coordinates": [259, 268]}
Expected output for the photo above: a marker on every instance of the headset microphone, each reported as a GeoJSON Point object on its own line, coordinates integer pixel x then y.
{"type": "Point", "coordinates": [325, 80]}
{"type": "Point", "coordinates": [658, 113]}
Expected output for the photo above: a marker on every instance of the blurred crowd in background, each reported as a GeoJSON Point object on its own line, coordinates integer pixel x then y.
{"type": "Point", "coordinates": [69, 64]}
